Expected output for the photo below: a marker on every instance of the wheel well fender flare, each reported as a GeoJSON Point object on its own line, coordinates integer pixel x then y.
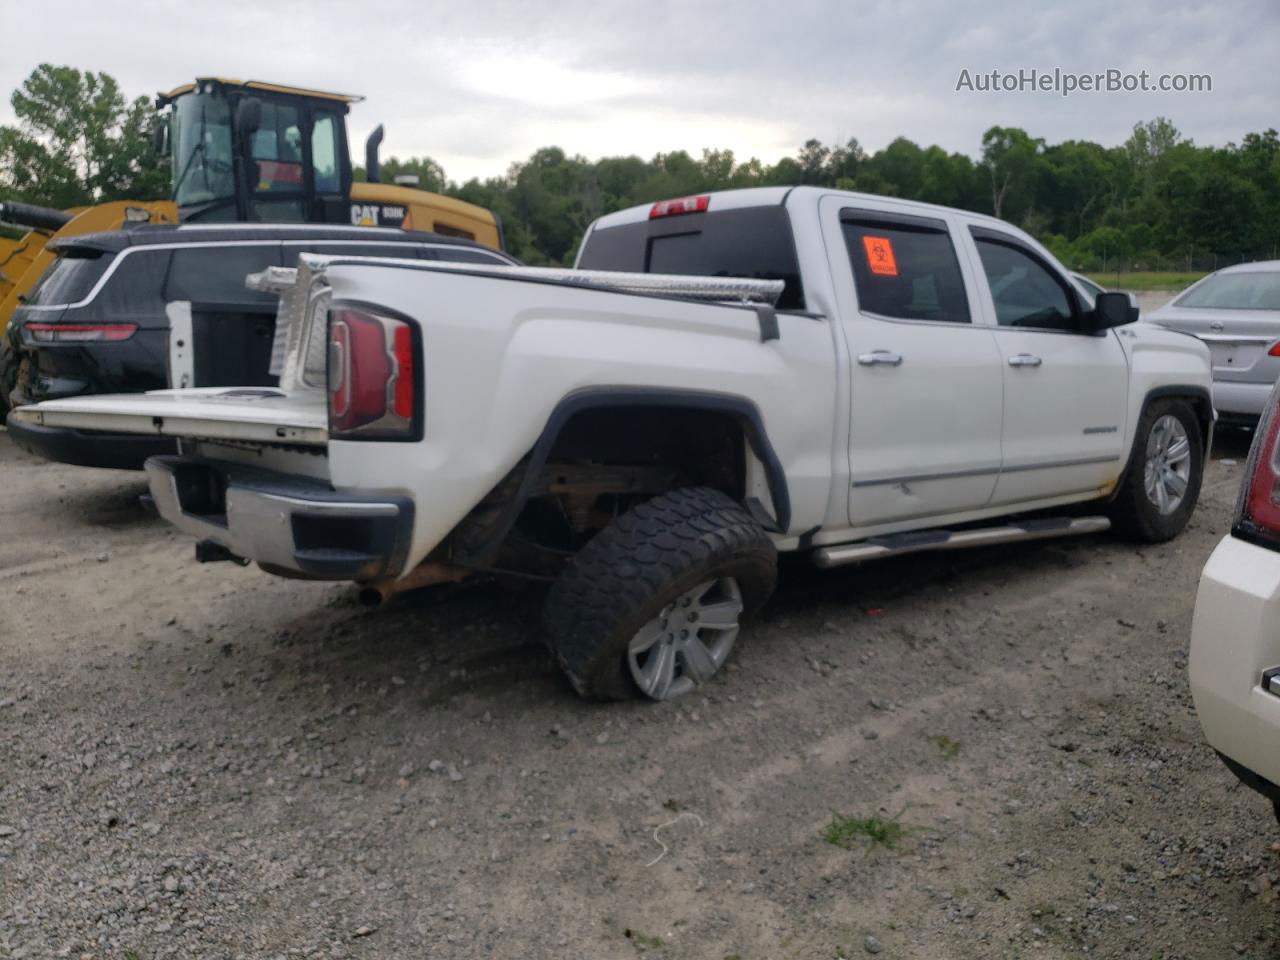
{"type": "Point", "coordinates": [743, 410]}
{"type": "Point", "coordinates": [1203, 405]}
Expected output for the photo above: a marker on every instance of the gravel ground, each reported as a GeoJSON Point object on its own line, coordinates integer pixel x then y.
{"type": "Point", "coordinates": [205, 761]}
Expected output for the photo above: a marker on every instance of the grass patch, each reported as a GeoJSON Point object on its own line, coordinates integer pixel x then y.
{"type": "Point", "coordinates": [947, 747]}
{"type": "Point", "coordinates": [1147, 279]}
{"type": "Point", "coordinates": [846, 832]}
{"type": "Point", "coordinates": [644, 940]}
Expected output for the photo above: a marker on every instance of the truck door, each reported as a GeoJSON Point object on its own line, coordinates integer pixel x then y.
{"type": "Point", "coordinates": [1065, 391]}
{"type": "Point", "coordinates": [924, 385]}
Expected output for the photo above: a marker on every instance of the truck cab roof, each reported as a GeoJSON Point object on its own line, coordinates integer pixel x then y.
{"type": "Point", "coordinates": [720, 200]}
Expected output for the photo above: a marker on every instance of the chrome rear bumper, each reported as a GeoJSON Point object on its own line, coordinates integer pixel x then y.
{"type": "Point", "coordinates": [290, 526]}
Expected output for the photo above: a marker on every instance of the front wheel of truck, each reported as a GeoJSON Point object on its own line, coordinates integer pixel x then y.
{"type": "Point", "coordinates": [654, 602]}
{"type": "Point", "coordinates": [1162, 483]}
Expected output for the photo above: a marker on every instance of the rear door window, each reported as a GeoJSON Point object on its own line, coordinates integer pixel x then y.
{"type": "Point", "coordinates": [70, 278]}
{"type": "Point", "coordinates": [215, 275]}
{"type": "Point", "coordinates": [751, 242]}
{"type": "Point", "coordinates": [905, 267]}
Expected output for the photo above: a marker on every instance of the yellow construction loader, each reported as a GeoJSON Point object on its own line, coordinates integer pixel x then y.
{"type": "Point", "coordinates": [242, 151]}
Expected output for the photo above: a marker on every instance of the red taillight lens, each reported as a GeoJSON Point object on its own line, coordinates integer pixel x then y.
{"type": "Point", "coordinates": [673, 208]}
{"type": "Point", "coordinates": [1275, 350]}
{"type": "Point", "coordinates": [373, 382]}
{"type": "Point", "coordinates": [1258, 509]}
{"type": "Point", "coordinates": [80, 332]}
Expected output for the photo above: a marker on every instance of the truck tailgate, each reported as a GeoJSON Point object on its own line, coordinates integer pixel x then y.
{"type": "Point", "coordinates": [219, 413]}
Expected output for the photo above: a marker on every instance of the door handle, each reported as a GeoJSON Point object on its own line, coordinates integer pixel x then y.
{"type": "Point", "coordinates": [1025, 360]}
{"type": "Point", "coordinates": [885, 358]}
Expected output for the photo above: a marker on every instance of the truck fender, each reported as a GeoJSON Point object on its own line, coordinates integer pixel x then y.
{"type": "Point", "coordinates": [742, 409]}
{"type": "Point", "coordinates": [1204, 413]}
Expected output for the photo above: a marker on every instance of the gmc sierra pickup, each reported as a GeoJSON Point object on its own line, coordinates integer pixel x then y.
{"type": "Point", "coordinates": [721, 378]}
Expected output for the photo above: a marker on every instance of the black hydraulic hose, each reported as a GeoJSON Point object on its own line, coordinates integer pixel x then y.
{"type": "Point", "coordinates": [33, 217]}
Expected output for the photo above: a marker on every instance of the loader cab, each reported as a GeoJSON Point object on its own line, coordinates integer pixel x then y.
{"type": "Point", "coordinates": [257, 152]}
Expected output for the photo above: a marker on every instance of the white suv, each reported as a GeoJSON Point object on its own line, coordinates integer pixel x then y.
{"type": "Point", "coordinates": [1235, 633]}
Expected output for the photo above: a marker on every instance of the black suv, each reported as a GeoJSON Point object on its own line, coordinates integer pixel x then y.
{"type": "Point", "coordinates": [154, 307]}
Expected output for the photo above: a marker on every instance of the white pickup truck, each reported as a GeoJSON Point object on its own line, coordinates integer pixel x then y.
{"type": "Point", "coordinates": [722, 378]}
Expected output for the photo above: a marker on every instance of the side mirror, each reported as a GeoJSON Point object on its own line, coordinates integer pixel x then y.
{"type": "Point", "coordinates": [160, 138]}
{"type": "Point", "coordinates": [1114, 309]}
{"type": "Point", "coordinates": [248, 120]}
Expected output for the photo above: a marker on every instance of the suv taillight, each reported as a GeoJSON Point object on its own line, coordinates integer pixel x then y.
{"type": "Point", "coordinates": [80, 332]}
{"type": "Point", "coordinates": [375, 390]}
{"type": "Point", "coordinates": [1258, 508]}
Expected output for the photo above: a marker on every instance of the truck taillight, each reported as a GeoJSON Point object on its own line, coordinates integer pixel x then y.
{"type": "Point", "coordinates": [1258, 509]}
{"type": "Point", "coordinates": [375, 387]}
{"type": "Point", "coordinates": [673, 208]}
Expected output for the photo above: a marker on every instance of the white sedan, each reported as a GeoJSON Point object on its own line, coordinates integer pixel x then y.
{"type": "Point", "coordinates": [1235, 632]}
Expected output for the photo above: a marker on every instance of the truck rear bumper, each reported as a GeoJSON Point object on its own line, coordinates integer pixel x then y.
{"type": "Point", "coordinates": [288, 526]}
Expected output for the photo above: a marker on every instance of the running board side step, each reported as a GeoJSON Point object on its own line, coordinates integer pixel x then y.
{"type": "Point", "coordinates": [917, 541]}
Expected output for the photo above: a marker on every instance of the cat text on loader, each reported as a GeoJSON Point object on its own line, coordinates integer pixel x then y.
{"type": "Point", "coordinates": [250, 151]}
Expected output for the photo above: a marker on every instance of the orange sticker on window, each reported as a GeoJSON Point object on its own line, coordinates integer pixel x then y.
{"type": "Point", "coordinates": [880, 256]}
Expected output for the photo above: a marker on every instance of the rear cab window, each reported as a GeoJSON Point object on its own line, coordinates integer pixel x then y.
{"type": "Point", "coordinates": [749, 242]}
{"type": "Point", "coordinates": [70, 278]}
{"type": "Point", "coordinates": [904, 267]}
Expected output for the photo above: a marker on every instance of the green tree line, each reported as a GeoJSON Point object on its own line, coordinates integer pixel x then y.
{"type": "Point", "coordinates": [1157, 201]}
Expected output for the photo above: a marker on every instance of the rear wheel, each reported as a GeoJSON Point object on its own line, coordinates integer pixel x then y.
{"type": "Point", "coordinates": [653, 604]}
{"type": "Point", "coordinates": [1162, 483]}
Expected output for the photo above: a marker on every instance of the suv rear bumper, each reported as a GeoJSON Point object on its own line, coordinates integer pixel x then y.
{"type": "Point", "coordinates": [88, 448]}
{"type": "Point", "coordinates": [1235, 647]}
{"type": "Point", "coordinates": [287, 525]}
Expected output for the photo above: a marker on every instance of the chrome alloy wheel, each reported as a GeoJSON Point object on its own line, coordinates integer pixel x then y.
{"type": "Point", "coordinates": [1167, 471]}
{"type": "Point", "coordinates": [688, 641]}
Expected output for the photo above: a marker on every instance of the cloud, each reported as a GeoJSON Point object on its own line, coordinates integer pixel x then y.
{"type": "Point", "coordinates": [478, 86]}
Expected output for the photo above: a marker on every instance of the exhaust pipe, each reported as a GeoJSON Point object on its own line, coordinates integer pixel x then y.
{"type": "Point", "coordinates": [33, 217]}
{"type": "Point", "coordinates": [377, 592]}
{"type": "Point", "coordinates": [371, 168]}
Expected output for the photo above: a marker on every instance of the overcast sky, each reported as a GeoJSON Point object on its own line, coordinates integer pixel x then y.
{"type": "Point", "coordinates": [478, 85]}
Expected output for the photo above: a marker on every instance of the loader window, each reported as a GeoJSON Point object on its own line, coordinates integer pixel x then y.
{"type": "Point", "coordinates": [277, 148]}
{"type": "Point", "coordinates": [203, 171]}
{"type": "Point", "coordinates": [324, 153]}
